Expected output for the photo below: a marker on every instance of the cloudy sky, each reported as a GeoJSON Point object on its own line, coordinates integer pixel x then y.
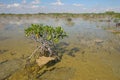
{"type": "Point", "coordinates": [58, 6]}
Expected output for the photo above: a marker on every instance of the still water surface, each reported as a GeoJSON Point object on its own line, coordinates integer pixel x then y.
{"type": "Point", "coordinates": [90, 53]}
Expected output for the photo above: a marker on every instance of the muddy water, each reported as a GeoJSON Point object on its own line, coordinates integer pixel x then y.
{"type": "Point", "coordinates": [89, 53]}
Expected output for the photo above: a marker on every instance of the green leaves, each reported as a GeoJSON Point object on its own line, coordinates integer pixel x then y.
{"type": "Point", "coordinates": [56, 40]}
{"type": "Point", "coordinates": [46, 32]}
{"type": "Point", "coordinates": [49, 37]}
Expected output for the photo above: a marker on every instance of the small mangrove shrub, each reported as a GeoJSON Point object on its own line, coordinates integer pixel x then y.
{"type": "Point", "coordinates": [46, 37]}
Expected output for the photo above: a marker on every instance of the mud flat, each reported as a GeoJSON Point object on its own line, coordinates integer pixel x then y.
{"type": "Point", "coordinates": [89, 53]}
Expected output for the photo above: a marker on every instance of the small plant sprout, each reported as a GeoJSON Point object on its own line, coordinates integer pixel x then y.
{"type": "Point", "coordinates": [46, 37]}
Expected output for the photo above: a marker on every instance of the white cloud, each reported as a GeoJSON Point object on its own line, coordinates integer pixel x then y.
{"type": "Point", "coordinates": [59, 3]}
{"type": "Point", "coordinates": [13, 5]}
{"type": "Point", "coordinates": [110, 9]}
{"type": "Point", "coordinates": [36, 2]}
{"type": "Point", "coordinates": [77, 4]}
{"type": "Point", "coordinates": [34, 6]}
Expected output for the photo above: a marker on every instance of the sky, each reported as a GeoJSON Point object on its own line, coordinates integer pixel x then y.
{"type": "Point", "coordinates": [58, 6]}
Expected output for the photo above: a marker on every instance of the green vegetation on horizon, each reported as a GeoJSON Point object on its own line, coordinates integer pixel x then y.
{"type": "Point", "coordinates": [89, 15]}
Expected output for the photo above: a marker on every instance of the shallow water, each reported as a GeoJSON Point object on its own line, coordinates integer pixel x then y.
{"type": "Point", "coordinates": [90, 52]}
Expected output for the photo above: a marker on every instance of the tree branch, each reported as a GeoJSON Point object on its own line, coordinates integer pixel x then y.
{"type": "Point", "coordinates": [34, 51]}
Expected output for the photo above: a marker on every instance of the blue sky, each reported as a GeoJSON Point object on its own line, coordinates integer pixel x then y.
{"type": "Point", "coordinates": [58, 6]}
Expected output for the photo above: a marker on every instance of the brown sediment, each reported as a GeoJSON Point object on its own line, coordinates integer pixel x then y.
{"type": "Point", "coordinates": [7, 68]}
{"type": "Point", "coordinates": [44, 60]}
{"type": "Point", "coordinates": [93, 67]}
